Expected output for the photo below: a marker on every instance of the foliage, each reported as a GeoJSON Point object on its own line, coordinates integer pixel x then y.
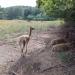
{"type": "Point", "coordinates": [2, 13]}
{"type": "Point", "coordinates": [58, 8]}
{"type": "Point", "coordinates": [22, 12]}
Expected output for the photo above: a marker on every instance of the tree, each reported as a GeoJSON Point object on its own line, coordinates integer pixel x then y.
{"type": "Point", "coordinates": [59, 8]}
{"type": "Point", "coordinates": [14, 12]}
{"type": "Point", "coordinates": [35, 11]}
{"type": "Point", "coordinates": [26, 13]}
{"type": "Point", "coordinates": [19, 12]}
{"type": "Point", "coordinates": [63, 9]}
{"type": "Point", "coordinates": [3, 14]}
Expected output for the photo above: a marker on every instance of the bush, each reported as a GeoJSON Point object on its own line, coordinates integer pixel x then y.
{"type": "Point", "coordinates": [39, 17]}
{"type": "Point", "coordinates": [66, 57]}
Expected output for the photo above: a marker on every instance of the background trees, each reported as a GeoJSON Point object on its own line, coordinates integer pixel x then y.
{"type": "Point", "coordinates": [22, 12]}
{"type": "Point", "coordinates": [58, 8]}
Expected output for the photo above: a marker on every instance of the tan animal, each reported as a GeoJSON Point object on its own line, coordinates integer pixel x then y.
{"type": "Point", "coordinates": [23, 41]}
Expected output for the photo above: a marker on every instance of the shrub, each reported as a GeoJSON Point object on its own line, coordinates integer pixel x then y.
{"type": "Point", "coordinates": [66, 57]}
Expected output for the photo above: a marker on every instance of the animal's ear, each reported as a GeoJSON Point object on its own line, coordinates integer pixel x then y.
{"type": "Point", "coordinates": [32, 28]}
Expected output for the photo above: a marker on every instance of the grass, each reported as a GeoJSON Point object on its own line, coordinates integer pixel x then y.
{"type": "Point", "coordinates": [8, 27]}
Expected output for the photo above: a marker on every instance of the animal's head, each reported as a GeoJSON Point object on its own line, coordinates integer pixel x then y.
{"type": "Point", "coordinates": [31, 28]}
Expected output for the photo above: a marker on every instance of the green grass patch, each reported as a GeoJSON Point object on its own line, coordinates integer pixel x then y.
{"type": "Point", "coordinates": [8, 27]}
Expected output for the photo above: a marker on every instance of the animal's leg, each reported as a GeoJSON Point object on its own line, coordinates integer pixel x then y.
{"type": "Point", "coordinates": [23, 47]}
{"type": "Point", "coordinates": [20, 44]}
{"type": "Point", "coordinates": [22, 51]}
{"type": "Point", "coordinates": [26, 48]}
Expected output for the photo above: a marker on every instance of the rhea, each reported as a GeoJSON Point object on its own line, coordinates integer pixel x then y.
{"type": "Point", "coordinates": [24, 40]}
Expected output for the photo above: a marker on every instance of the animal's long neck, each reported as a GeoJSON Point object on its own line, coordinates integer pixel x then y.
{"type": "Point", "coordinates": [30, 32]}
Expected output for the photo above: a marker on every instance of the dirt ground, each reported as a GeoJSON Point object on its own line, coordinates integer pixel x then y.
{"type": "Point", "coordinates": [40, 60]}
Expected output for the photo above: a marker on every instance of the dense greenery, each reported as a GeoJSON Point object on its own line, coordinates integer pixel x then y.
{"type": "Point", "coordinates": [22, 12]}
{"type": "Point", "coordinates": [59, 8]}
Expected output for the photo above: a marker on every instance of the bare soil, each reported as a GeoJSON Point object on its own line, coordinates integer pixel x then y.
{"type": "Point", "coordinates": [40, 59]}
